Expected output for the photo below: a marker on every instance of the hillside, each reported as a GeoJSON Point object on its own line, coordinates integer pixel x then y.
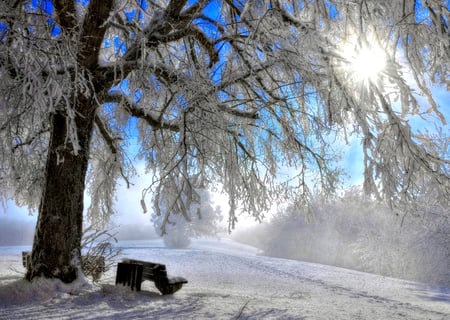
{"type": "Point", "coordinates": [226, 281]}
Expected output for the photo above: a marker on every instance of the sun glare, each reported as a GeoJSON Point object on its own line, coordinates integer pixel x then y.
{"type": "Point", "coordinates": [367, 63]}
{"type": "Point", "coordinates": [364, 59]}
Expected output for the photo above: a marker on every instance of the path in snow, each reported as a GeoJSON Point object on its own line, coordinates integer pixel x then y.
{"type": "Point", "coordinates": [230, 281]}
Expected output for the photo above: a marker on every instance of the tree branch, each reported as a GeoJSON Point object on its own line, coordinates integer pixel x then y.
{"type": "Point", "coordinates": [174, 8]}
{"type": "Point", "coordinates": [106, 134]}
{"type": "Point", "coordinates": [195, 9]}
{"type": "Point", "coordinates": [238, 113]}
{"type": "Point", "coordinates": [93, 32]}
{"type": "Point", "coordinates": [137, 112]}
{"type": "Point", "coordinates": [29, 141]}
{"type": "Point", "coordinates": [66, 13]}
{"type": "Point", "coordinates": [206, 43]}
{"type": "Point", "coordinates": [105, 131]}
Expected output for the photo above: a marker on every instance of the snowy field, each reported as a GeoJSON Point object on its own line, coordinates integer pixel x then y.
{"type": "Point", "coordinates": [226, 281]}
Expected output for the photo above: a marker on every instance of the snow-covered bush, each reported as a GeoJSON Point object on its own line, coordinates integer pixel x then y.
{"type": "Point", "coordinates": [177, 233]}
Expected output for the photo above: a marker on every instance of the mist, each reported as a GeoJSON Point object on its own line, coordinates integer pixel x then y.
{"type": "Point", "coordinates": [359, 234]}
{"type": "Point", "coordinates": [134, 231]}
{"type": "Point", "coordinates": [14, 232]}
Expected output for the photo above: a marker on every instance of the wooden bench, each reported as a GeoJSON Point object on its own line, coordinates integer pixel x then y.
{"type": "Point", "coordinates": [92, 265]}
{"type": "Point", "coordinates": [133, 272]}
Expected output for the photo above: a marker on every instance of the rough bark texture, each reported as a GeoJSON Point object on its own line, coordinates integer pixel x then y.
{"type": "Point", "coordinates": [56, 247]}
{"type": "Point", "coordinates": [57, 242]}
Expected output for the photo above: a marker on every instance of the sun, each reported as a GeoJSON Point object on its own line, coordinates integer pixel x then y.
{"type": "Point", "coordinates": [363, 59]}
{"type": "Point", "coordinates": [367, 63]}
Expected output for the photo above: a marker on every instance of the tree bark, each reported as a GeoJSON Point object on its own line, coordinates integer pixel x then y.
{"type": "Point", "coordinates": [57, 242]}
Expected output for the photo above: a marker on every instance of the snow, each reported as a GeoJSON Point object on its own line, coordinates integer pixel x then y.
{"type": "Point", "coordinates": [227, 280]}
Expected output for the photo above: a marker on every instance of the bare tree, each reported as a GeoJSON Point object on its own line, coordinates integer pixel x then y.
{"type": "Point", "coordinates": [219, 93]}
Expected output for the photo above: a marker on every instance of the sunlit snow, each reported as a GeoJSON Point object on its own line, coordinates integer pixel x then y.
{"type": "Point", "coordinates": [227, 280]}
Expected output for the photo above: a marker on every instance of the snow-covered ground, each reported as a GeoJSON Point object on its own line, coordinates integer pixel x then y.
{"type": "Point", "coordinates": [226, 281]}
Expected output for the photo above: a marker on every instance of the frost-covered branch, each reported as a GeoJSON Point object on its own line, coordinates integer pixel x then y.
{"type": "Point", "coordinates": [136, 111]}
{"type": "Point", "coordinates": [106, 134]}
{"type": "Point", "coordinates": [67, 14]}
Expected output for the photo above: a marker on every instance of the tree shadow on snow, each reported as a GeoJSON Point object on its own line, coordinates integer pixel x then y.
{"type": "Point", "coordinates": [432, 293]}
{"type": "Point", "coordinates": [22, 300]}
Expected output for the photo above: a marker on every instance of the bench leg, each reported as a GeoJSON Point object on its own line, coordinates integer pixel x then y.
{"type": "Point", "coordinates": [130, 275]}
{"type": "Point", "coordinates": [121, 273]}
{"type": "Point", "coordinates": [136, 278]}
{"type": "Point", "coordinates": [166, 288]}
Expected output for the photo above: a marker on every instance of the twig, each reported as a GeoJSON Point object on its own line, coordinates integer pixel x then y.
{"type": "Point", "coordinates": [241, 311]}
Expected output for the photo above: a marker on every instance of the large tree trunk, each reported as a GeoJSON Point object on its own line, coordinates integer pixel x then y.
{"type": "Point", "coordinates": [57, 241]}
